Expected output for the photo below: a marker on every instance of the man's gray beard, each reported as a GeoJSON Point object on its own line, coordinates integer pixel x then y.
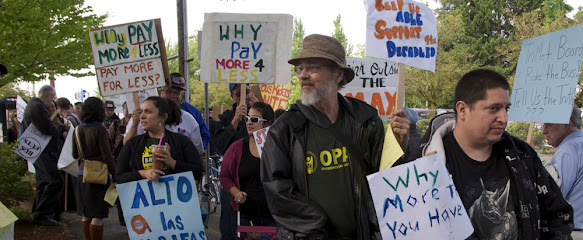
{"type": "Point", "coordinates": [317, 96]}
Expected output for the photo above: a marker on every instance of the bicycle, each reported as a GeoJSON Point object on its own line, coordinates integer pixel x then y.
{"type": "Point", "coordinates": [210, 191]}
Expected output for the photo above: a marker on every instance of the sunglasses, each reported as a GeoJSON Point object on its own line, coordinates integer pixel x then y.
{"type": "Point", "coordinates": [254, 119]}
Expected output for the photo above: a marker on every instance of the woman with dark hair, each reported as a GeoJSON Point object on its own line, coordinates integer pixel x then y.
{"type": "Point", "coordinates": [94, 141]}
{"type": "Point", "coordinates": [240, 170]}
{"type": "Point", "coordinates": [136, 159]}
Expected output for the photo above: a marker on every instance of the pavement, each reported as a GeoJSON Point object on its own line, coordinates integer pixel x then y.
{"type": "Point", "coordinates": [113, 230]}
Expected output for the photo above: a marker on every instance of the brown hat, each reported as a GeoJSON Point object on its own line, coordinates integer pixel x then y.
{"type": "Point", "coordinates": [320, 46]}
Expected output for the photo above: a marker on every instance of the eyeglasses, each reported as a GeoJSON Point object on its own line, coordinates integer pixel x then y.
{"type": "Point", "coordinates": [254, 119]}
{"type": "Point", "coordinates": [310, 68]}
{"type": "Point", "coordinates": [238, 93]}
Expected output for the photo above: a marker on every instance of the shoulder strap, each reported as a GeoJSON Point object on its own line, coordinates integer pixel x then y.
{"type": "Point", "coordinates": [79, 143]}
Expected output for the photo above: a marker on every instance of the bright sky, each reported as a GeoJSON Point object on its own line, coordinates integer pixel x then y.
{"type": "Point", "coordinates": [317, 17]}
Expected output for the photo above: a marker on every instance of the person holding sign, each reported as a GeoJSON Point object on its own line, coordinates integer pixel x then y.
{"type": "Point", "coordinates": [568, 139]}
{"type": "Point", "coordinates": [136, 159]}
{"type": "Point", "coordinates": [49, 182]}
{"type": "Point", "coordinates": [317, 154]}
{"type": "Point", "coordinates": [94, 140]}
{"type": "Point", "coordinates": [502, 183]}
{"type": "Point", "coordinates": [240, 170]}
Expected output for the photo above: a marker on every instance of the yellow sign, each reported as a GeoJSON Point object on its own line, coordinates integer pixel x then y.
{"type": "Point", "coordinates": [111, 194]}
{"type": "Point", "coordinates": [6, 216]}
{"type": "Point", "coordinates": [391, 150]}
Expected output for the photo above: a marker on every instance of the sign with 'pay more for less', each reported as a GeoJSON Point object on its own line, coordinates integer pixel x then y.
{"type": "Point", "coordinates": [129, 57]}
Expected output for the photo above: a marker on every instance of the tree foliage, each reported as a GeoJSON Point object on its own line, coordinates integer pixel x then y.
{"type": "Point", "coordinates": [297, 45]}
{"type": "Point", "coordinates": [42, 36]}
{"type": "Point", "coordinates": [340, 36]}
{"type": "Point", "coordinates": [12, 170]}
{"type": "Point", "coordinates": [520, 130]}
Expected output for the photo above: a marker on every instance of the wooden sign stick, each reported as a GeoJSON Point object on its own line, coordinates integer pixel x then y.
{"type": "Point", "coordinates": [529, 137]}
{"type": "Point", "coordinates": [400, 87]}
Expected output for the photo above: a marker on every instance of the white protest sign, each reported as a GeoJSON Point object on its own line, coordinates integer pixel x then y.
{"type": "Point", "coordinates": [7, 232]}
{"type": "Point", "coordinates": [546, 77]}
{"type": "Point", "coordinates": [32, 143]}
{"type": "Point", "coordinates": [246, 48]}
{"type": "Point", "coordinates": [418, 200]}
{"type": "Point", "coordinates": [20, 107]}
{"type": "Point", "coordinates": [129, 57]}
{"type": "Point", "coordinates": [260, 137]}
{"type": "Point", "coordinates": [402, 31]}
{"type": "Point", "coordinates": [142, 96]}
{"type": "Point", "coordinates": [66, 157]}
{"type": "Point", "coordinates": [164, 209]}
{"type": "Point", "coordinates": [375, 82]}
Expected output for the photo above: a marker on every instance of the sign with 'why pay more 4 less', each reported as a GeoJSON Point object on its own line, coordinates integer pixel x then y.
{"type": "Point", "coordinates": [129, 57]}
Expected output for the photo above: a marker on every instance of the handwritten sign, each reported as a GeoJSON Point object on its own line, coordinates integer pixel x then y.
{"type": "Point", "coordinates": [418, 200]}
{"type": "Point", "coordinates": [66, 161]}
{"type": "Point", "coordinates": [276, 95]}
{"type": "Point", "coordinates": [164, 209]}
{"type": "Point", "coordinates": [260, 137]}
{"type": "Point", "coordinates": [546, 77]}
{"type": "Point", "coordinates": [402, 31]}
{"type": "Point", "coordinates": [32, 144]}
{"type": "Point", "coordinates": [20, 107]}
{"type": "Point", "coordinates": [142, 96]}
{"type": "Point", "coordinates": [375, 82]}
{"type": "Point", "coordinates": [129, 57]}
{"type": "Point", "coordinates": [246, 48]}
{"type": "Point", "coordinates": [7, 233]}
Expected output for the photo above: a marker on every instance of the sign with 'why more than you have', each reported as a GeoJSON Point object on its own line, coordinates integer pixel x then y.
{"type": "Point", "coordinates": [418, 200]}
{"type": "Point", "coordinates": [129, 57]}
{"type": "Point", "coordinates": [246, 48]}
{"type": "Point", "coordinates": [546, 77]}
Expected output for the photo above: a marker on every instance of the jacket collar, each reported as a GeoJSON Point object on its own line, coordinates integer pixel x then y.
{"type": "Point", "coordinates": [359, 111]}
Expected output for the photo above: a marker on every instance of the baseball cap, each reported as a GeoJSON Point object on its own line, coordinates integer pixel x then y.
{"type": "Point", "coordinates": [109, 104]}
{"type": "Point", "coordinates": [178, 83]}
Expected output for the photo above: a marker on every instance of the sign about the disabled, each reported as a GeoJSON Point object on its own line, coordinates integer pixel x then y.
{"type": "Point", "coordinates": [246, 48]}
{"type": "Point", "coordinates": [129, 57]}
{"type": "Point", "coordinates": [375, 82]}
{"type": "Point", "coordinates": [418, 200]}
{"type": "Point", "coordinates": [165, 209]}
{"type": "Point", "coordinates": [31, 144]}
{"type": "Point", "coordinates": [402, 31]}
{"type": "Point", "coordinates": [546, 77]}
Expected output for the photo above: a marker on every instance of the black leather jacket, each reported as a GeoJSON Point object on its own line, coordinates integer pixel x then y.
{"type": "Point", "coordinates": [284, 176]}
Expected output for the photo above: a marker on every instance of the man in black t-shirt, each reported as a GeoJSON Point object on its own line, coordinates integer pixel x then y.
{"type": "Point", "coordinates": [502, 183]}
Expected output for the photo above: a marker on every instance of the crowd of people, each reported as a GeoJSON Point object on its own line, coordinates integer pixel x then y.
{"type": "Point", "coordinates": [293, 185]}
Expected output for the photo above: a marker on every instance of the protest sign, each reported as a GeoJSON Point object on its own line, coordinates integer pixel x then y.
{"type": "Point", "coordinates": [142, 96]}
{"type": "Point", "coordinates": [7, 233]}
{"type": "Point", "coordinates": [546, 77]}
{"type": "Point", "coordinates": [6, 216]}
{"type": "Point", "coordinates": [66, 161]}
{"type": "Point", "coordinates": [276, 95]}
{"type": "Point", "coordinates": [129, 57]}
{"type": "Point", "coordinates": [32, 143]}
{"type": "Point", "coordinates": [20, 107]}
{"type": "Point", "coordinates": [260, 137]}
{"type": "Point", "coordinates": [418, 200]}
{"type": "Point", "coordinates": [375, 82]}
{"type": "Point", "coordinates": [246, 48]}
{"type": "Point", "coordinates": [167, 208]}
{"type": "Point", "coordinates": [402, 31]}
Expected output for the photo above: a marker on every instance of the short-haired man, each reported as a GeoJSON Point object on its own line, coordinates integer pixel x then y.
{"type": "Point", "coordinates": [502, 183]}
{"type": "Point", "coordinates": [66, 111]}
{"type": "Point", "coordinates": [49, 182]}
{"type": "Point", "coordinates": [174, 92]}
{"type": "Point", "coordinates": [317, 155]}
{"type": "Point", "coordinates": [568, 161]}
{"type": "Point", "coordinates": [78, 106]}
{"type": "Point", "coordinates": [110, 115]}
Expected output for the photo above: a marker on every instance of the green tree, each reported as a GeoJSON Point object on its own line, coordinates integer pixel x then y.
{"type": "Point", "coordinates": [12, 90]}
{"type": "Point", "coordinates": [12, 189]}
{"type": "Point", "coordinates": [297, 44]}
{"type": "Point", "coordinates": [42, 36]}
{"type": "Point", "coordinates": [340, 36]}
{"type": "Point", "coordinates": [520, 130]}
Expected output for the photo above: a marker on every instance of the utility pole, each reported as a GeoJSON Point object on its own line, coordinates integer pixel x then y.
{"type": "Point", "coordinates": [183, 45]}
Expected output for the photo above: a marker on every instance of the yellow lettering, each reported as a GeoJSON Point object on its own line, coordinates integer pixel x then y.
{"type": "Point", "coordinates": [233, 75]}
{"type": "Point", "coordinates": [221, 79]}
{"type": "Point", "coordinates": [337, 152]}
{"type": "Point", "coordinates": [325, 158]}
{"type": "Point", "coordinates": [254, 76]}
{"type": "Point", "coordinates": [344, 155]}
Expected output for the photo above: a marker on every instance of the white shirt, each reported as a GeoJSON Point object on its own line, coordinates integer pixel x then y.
{"type": "Point", "coordinates": [187, 127]}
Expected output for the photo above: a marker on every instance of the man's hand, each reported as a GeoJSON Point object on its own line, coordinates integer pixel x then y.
{"type": "Point", "coordinates": [240, 113]}
{"type": "Point", "coordinates": [400, 125]}
{"type": "Point", "coordinates": [136, 116]}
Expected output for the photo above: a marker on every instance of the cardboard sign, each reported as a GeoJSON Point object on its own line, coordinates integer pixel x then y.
{"type": "Point", "coordinates": [164, 209]}
{"type": "Point", "coordinates": [246, 48]}
{"type": "Point", "coordinates": [375, 82]}
{"type": "Point", "coordinates": [32, 144]}
{"type": "Point", "coordinates": [129, 57]}
{"type": "Point", "coordinates": [402, 31]}
{"type": "Point", "coordinates": [20, 107]}
{"type": "Point", "coordinates": [546, 77]}
{"type": "Point", "coordinates": [418, 200]}
{"type": "Point", "coordinates": [260, 137]}
{"type": "Point", "coordinates": [276, 95]}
